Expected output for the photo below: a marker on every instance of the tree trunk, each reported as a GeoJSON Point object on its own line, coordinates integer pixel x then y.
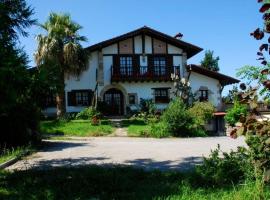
{"type": "Point", "coordinates": [60, 104]}
{"type": "Point", "coordinates": [60, 99]}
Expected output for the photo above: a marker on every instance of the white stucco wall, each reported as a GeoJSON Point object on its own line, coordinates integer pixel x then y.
{"type": "Point", "coordinates": [197, 80]}
{"type": "Point", "coordinates": [142, 89]}
{"type": "Point", "coordinates": [138, 44]}
{"type": "Point", "coordinates": [174, 50]}
{"type": "Point", "coordinates": [87, 80]}
{"type": "Point", "coordinates": [107, 64]}
{"type": "Point", "coordinates": [112, 49]}
{"type": "Point", "coordinates": [148, 44]}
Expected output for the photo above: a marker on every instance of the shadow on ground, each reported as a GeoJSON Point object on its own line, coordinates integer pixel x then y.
{"type": "Point", "coordinates": [184, 164]}
{"type": "Point", "coordinates": [50, 146]}
{"type": "Point", "coordinates": [92, 182]}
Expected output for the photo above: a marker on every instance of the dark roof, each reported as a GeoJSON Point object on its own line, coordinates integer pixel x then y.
{"type": "Point", "coordinates": [223, 79]}
{"type": "Point", "coordinates": [190, 49]}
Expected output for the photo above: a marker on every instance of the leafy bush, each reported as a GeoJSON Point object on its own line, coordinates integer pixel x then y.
{"type": "Point", "coordinates": [201, 112]}
{"type": "Point", "coordinates": [177, 120]}
{"type": "Point", "coordinates": [225, 168]}
{"type": "Point", "coordinates": [233, 114]}
{"type": "Point", "coordinates": [147, 106]}
{"type": "Point", "coordinates": [159, 130]}
{"type": "Point", "coordinates": [87, 113]}
{"type": "Point", "coordinates": [67, 117]}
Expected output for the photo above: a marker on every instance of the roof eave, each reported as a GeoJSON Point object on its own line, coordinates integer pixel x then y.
{"type": "Point", "coordinates": [189, 48]}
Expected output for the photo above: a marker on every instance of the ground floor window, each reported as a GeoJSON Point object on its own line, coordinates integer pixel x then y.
{"type": "Point", "coordinates": [82, 98]}
{"type": "Point", "coordinates": [131, 99]}
{"type": "Point", "coordinates": [79, 98]}
{"type": "Point", "coordinates": [161, 95]}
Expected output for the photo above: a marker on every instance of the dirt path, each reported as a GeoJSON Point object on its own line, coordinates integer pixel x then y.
{"type": "Point", "coordinates": [120, 131]}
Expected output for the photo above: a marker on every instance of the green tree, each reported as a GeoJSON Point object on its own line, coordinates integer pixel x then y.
{"type": "Point", "coordinates": [18, 113]}
{"type": "Point", "coordinates": [210, 62]}
{"type": "Point", "coordinates": [60, 48]}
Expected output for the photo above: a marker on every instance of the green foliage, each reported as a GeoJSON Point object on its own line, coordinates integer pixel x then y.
{"type": "Point", "coordinates": [18, 109]}
{"type": "Point", "coordinates": [147, 106]}
{"type": "Point", "coordinates": [235, 113]}
{"type": "Point", "coordinates": [231, 96]}
{"type": "Point", "coordinates": [201, 113]}
{"type": "Point", "coordinates": [182, 89]}
{"type": "Point", "coordinates": [75, 128]}
{"type": "Point", "coordinates": [222, 168]}
{"type": "Point", "coordinates": [121, 183]}
{"type": "Point", "coordinates": [159, 130]}
{"type": "Point", "coordinates": [251, 74]}
{"type": "Point", "coordinates": [210, 62]}
{"type": "Point", "coordinates": [176, 118]}
{"type": "Point", "coordinates": [87, 113]}
{"type": "Point", "coordinates": [60, 47]}
{"type": "Point", "coordinates": [259, 147]}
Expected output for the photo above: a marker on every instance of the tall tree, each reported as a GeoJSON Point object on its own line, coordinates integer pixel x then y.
{"type": "Point", "coordinates": [210, 62]}
{"type": "Point", "coordinates": [18, 114]}
{"type": "Point", "coordinates": [60, 48]}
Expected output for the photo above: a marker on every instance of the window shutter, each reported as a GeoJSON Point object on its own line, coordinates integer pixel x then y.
{"type": "Point", "coordinates": [170, 63]}
{"type": "Point", "coordinates": [116, 64]}
{"type": "Point", "coordinates": [136, 64]}
{"type": "Point", "coordinates": [71, 98]}
{"type": "Point", "coordinates": [90, 96]}
{"type": "Point", "coordinates": [150, 60]}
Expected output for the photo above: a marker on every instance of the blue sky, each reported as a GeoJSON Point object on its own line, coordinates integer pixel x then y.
{"type": "Point", "coordinates": [222, 26]}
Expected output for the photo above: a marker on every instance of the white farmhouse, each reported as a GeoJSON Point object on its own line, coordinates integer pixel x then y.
{"type": "Point", "coordinates": [136, 65]}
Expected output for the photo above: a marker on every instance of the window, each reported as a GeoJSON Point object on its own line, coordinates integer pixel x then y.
{"type": "Point", "coordinates": [159, 65]}
{"type": "Point", "coordinates": [131, 99]}
{"type": "Point", "coordinates": [161, 95]}
{"type": "Point", "coordinates": [82, 98]}
{"type": "Point", "coordinates": [126, 65]}
{"type": "Point", "coordinates": [203, 95]}
{"type": "Point", "coordinates": [79, 97]}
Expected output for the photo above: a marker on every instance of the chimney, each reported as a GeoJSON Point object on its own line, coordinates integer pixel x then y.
{"type": "Point", "coordinates": [178, 36]}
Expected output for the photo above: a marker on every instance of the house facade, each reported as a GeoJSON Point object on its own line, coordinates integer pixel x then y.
{"type": "Point", "coordinates": [138, 65]}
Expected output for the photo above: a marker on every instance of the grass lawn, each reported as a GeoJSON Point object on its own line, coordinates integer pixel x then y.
{"type": "Point", "coordinates": [76, 128]}
{"type": "Point", "coordinates": [136, 128]}
{"type": "Point", "coordinates": [116, 183]}
{"type": "Point", "coordinates": [8, 154]}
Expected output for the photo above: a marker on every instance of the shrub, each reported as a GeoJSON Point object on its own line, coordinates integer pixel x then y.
{"type": "Point", "coordinates": [201, 112]}
{"type": "Point", "coordinates": [87, 113]}
{"type": "Point", "coordinates": [159, 130]}
{"type": "Point", "coordinates": [226, 168]}
{"type": "Point", "coordinates": [233, 114]}
{"type": "Point", "coordinates": [67, 117]}
{"type": "Point", "coordinates": [147, 106]}
{"type": "Point", "coordinates": [177, 119]}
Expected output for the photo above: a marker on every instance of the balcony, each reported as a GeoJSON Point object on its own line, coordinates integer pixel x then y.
{"type": "Point", "coordinates": [143, 73]}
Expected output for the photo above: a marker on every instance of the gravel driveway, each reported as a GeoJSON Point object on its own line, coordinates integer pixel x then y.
{"type": "Point", "coordinates": [181, 154]}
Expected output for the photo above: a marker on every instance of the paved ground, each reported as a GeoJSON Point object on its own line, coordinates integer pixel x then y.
{"type": "Point", "coordinates": [149, 153]}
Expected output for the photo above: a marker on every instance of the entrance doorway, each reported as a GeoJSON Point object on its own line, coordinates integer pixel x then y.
{"type": "Point", "coordinates": [115, 102]}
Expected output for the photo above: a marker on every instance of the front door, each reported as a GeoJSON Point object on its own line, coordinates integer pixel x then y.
{"type": "Point", "coordinates": [114, 101]}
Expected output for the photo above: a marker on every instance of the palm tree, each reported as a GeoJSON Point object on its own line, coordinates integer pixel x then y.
{"type": "Point", "coordinates": [59, 48]}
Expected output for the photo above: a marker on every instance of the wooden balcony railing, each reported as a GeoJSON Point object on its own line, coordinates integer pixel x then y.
{"type": "Point", "coordinates": [143, 73]}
